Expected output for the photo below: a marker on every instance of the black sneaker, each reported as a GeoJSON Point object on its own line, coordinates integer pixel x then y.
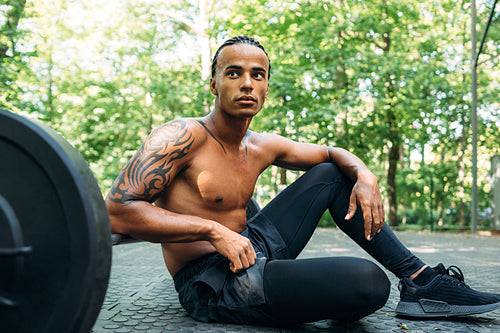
{"type": "Point", "coordinates": [445, 296]}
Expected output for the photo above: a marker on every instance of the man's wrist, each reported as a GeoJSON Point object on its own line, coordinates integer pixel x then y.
{"type": "Point", "coordinates": [366, 176]}
{"type": "Point", "coordinates": [213, 230]}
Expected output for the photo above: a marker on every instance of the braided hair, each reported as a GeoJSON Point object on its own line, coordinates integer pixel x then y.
{"type": "Point", "coordinates": [239, 40]}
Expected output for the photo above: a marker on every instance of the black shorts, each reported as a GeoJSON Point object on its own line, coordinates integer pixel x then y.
{"type": "Point", "coordinates": [211, 292]}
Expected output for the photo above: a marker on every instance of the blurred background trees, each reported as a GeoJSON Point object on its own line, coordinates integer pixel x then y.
{"type": "Point", "coordinates": [387, 80]}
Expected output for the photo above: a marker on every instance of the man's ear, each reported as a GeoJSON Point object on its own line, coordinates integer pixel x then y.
{"type": "Point", "coordinates": [267, 90]}
{"type": "Point", "coordinates": [212, 87]}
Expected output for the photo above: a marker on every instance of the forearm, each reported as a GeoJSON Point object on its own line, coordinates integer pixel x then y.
{"type": "Point", "coordinates": [365, 192]}
{"type": "Point", "coordinates": [349, 163]}
{"type": "Point", "coordinates": [145, 221]}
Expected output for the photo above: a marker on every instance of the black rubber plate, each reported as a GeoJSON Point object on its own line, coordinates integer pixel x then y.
{"type": "Point", "coordinates": [63, 219]}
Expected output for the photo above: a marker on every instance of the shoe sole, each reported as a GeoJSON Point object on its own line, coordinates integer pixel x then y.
{"type": "Point", "coordinates": [432, 308]}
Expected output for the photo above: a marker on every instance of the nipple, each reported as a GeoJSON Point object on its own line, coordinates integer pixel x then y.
{"type": "Point", "coordinates": [219, 198]}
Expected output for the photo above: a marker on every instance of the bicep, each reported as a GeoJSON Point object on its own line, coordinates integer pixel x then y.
{"type": "Point", "coordinates": [299, 155]}
{"type": "Point", "coordinates": [154, 165]}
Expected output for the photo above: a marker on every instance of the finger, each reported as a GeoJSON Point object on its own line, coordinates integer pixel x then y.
{"type": "Point", "coordinates": [234, 269]}
{"type": "Point", "coordinates": [382, 214]}
{"type": "Point", "coordinates": [244, 261]}
{"type": "Point", "coordinates": [251, 255]}
{"type": "Point", "coordinates": [235, 264]}
{"type": "Point", "coordinates": [352, 207]}
{"type": "Point", "coordinates": [367, 216]}
{"type": "Point", "coordinates": [376, 222]}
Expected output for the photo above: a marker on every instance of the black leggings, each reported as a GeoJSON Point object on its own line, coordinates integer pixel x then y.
{"type": "Point", "coordinates": [343, 288]}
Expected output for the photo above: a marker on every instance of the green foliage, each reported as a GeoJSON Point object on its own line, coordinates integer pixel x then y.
{"type": "Point", "coordinates": [326, 221]}
{"type": "Point", "coordinates": [387, 80]}
{"type": "Point", "coordinates": [13, 56]}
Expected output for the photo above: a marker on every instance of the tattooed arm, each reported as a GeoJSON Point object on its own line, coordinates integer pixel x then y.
{"type": "Point", "coordinates": [150, 171]}
{"type": "Point", "coordinates": [154, 165]}
{"type": "Point", "coordinates": [165, 153]}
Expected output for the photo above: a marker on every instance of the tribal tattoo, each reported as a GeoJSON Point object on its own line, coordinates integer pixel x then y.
{"type": "Point", "coordinates": [202, 123]}
{"type": "Point", "coordinates": [149, 171]}
{"type": "Point", "coordinates": [245, 141]}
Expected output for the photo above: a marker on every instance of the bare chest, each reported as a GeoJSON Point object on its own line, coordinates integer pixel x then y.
{"type": "Point", "coordinates": [227, 182]}
{"type": "Point", "coordinates": [214, 181]}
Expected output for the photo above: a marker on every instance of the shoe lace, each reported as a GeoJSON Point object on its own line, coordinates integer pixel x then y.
{"type": "Point", "coordinates": [455, 273]}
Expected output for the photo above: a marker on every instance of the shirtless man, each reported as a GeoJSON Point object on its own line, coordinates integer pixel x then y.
{"type": "Point", "coordinates": [187, 188]}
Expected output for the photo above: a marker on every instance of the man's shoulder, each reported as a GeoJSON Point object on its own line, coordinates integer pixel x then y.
{"type": "Point", "coordinates": [264, 139]}
{"type": "Point", "coordinates": [179, 129]}
{"type": "Point", "coordinates": [178, 124]}
{"type": "Point", "coordinates": [177, 137]}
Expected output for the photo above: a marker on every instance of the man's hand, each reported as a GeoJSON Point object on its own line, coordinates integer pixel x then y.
{"type": "Point", "coordinates": [366, 193]}
{"type": "Point", "coordinates": [238, 249]}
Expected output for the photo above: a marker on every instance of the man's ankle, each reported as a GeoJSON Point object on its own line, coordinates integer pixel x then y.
{"type": "Point", "coordinates": [423, 276]}
{"type": "Point", "coordinates": [414, 275]}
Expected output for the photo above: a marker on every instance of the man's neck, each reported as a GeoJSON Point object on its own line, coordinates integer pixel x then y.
{"type": "Point", "coordinates": [229, 130]}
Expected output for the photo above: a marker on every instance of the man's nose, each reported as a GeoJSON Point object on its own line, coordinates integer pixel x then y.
{"type": "Point", "coordinates": [246, 81]}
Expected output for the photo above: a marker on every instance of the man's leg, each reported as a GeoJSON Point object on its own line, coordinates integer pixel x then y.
{"type": "Point", "coordinates": [302, 290]}
{"type": "Point", "coordinates": [296, 211]}
{"type": "Point", "coordinates": [295, 214]}
{"type": "Point", "coordinates": [342, 288]}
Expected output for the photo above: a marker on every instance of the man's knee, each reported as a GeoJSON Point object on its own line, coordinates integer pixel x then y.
{"type": "Point", "coordinates": [325, 172]}
{"type": "Point", "coordinates": [370, 289]}
{"type": "Point", "coordinates": [375, 287]}
{"type": "Point", "coordinates": [326, 168]}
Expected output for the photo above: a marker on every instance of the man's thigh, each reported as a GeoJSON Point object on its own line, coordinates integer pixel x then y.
{"type": "Point", "coordinates": [296, 211]}
{"type": "Point", "coordinates": [228, 297]}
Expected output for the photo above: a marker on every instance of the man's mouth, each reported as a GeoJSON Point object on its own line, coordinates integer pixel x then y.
{"type": "Point", "coordinates": [245, 99]}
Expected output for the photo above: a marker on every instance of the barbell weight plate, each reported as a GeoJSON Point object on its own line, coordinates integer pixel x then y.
{"type": "Point", "coordinates": [11, 250]}
{"type": "Point", "coordinates": [63, 221]}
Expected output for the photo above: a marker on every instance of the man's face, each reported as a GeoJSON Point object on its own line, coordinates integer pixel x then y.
{"type": "Point", "coordinates": [240, 83]}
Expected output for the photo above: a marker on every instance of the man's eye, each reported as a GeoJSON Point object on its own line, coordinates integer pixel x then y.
{"type": "Point", "coordinates": [258, 75]}
{"type": "Point", "coordinates": [232, 74]}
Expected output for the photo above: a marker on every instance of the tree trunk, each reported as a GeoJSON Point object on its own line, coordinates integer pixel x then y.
{"type": "Point", "coordinates": [394, 153]}
{"type": "Point", "coordinates": [204, 41]}
{"type": "Point", "coordinates": [283, 176]}
{"type": "Point", "coordinates": [461, 178]}
{"type": "Point", "coordinates": [199, 27]}
{"type": "Point", "coordinates": [341, 121]}
{"type": "Point", "coordinates": [394, 134]}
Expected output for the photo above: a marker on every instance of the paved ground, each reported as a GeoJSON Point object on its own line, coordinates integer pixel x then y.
{"type": "Point", "coordinates": [141, 296]}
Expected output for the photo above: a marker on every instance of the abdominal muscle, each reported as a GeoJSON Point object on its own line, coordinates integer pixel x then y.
{"type": "Point", "coordinates": [177, 255]}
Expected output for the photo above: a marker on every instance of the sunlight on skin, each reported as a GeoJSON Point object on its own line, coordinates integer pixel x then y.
{"type": "Point", "coordinates": [414, 275]}
{"type": "Point", "coordinates": [205, 179]}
